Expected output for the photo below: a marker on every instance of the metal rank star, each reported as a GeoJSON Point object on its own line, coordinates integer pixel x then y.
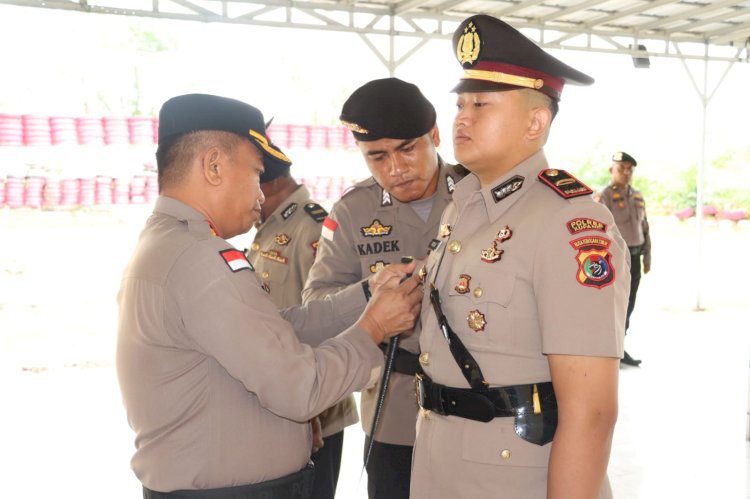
{"type": "Point", "coordinates": [492, 254]}
{"type": "Point", "coordinates": [445, 230]}
{"type": "Point", "coordinates": [476, 321]}
{"type": "Point", "coordinates": [504, 234]}
{"type": "Point", "coordinates": [463, 284]}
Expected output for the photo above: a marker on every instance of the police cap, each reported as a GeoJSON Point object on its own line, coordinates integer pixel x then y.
{"type": "Point", "coordinates": [387, 108]}
{"type": "Point", "coordinates": [195, 112]}
{"type": "Point", "coordinates": [273, 166]}
{"type": "Point", "coordinates": [623, 156]}
{"type": "Point", "coordinates": [495, 57]}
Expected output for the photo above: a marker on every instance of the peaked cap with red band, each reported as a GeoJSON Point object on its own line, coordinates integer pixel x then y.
{"type": "Point", "coordinates": [496, 57]}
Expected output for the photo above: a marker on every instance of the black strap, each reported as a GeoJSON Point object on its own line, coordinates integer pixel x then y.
{"type": "Point", "coordinates": [295, 486]}
{"type": "Point", "coordinates": [404, 362]}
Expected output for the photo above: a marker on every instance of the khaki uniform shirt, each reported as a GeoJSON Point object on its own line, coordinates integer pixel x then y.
{"type": "Point", "coordinates": [522, 272]}
{"type": "Point", "coordinates": [374, 229]}
{"type": "Point", "coordinates": [215, 382]}
{"type": "Point", "coordinates": [629, 209]}
{"type": "Point", "coordinates": [282, 252]}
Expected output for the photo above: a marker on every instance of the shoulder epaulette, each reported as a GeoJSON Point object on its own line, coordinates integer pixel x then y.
{"type": "Point", "coordinates": [317, 212]}
{"type": "Point", "coordinates": [563, 183]}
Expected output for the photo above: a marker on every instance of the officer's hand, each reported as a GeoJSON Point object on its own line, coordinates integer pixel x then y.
{"type": "Point", "coordinates": [646, 267]}
{"type": "Point", "coordinates": [317, 434]}
{"type": "Point", "coordinates": [390, 276]}
{"type": "Point", "coordinates": [392, 311]}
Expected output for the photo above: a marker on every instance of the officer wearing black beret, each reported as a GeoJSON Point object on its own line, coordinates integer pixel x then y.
{"type": "Point", "coordinates": [217, 385]}
{"type": "Point", "coordinates": [528, 287]}
{"type": "Point", "coordinates": [392, 215]}
{"type": "Point", "coordinates": [629, 209]}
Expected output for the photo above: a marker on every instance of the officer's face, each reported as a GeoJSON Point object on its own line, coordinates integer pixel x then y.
{"type": "Point", "coordinates": [489, 132]}
{"type": "Point", "coordinates": [242, 195]}
{"type": "Point", "coordinates": [405, 168]}
{"type": "Point", "coordinates": [622, 172]}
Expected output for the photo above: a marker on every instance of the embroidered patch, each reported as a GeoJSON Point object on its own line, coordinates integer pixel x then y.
{"type": "Point", "coordinates": [236, 260]}
{"type": "Point", "coordinates": [594, 261]}
{"type": "Point", "coordinates": [507, 188]}
{"type": "Point", "coordinates": [281, 239]}
{"type": "Point", "coordinates": [563, 183]}
{"type": "Point", "coordinates": [463, 284]}
{"type": "Point", "coordinates": [379, 265]}
{"type": "Point", "coordinates": [386, 199]}
{"type": "Point", "coordinates": [581, 224]}
{"type": "Point", "coordinates": [376, 229]}
{"type": "Point", "coordinates": [288, 211]}
{"type": "Point", "coordinates": [329, 227]}
{"type": "Point", "coordinates": [450, 184]}
{"type": "Point", "coordinates": [317, 212]}
{"type": "Point", "coordinates": [274, 255]}
{"type": "Point", "coordinates": [476, 321]}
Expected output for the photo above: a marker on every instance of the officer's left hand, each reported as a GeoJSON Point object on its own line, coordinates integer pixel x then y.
{"type": "Point", "coordinates": [390, 276]}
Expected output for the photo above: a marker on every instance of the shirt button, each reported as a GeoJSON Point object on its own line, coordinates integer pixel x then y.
{"type": "Point", "coordinates": [505, 454]}
{"type": "Point", "coordinates": [454, 246]}
{"type": "Point", "coordinates": [264, 274]}
{"type": "Point", "coordinates": [424, 359]}
{"type": "Point", "coordinates": [255, 247]}
{"type": "Point", "coordinates": [477, 292]}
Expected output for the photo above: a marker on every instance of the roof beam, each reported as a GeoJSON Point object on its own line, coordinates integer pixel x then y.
{"type": "Point", "coordinates": [691, 14]}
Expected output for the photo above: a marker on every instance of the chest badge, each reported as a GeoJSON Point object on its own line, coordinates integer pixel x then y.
{"type": "Point", "coordinates": [492, 254]}
{"type": "Point", "coordinates": [274, 255]}
{"type": "Point", "coordinates": [376, 229]}
{"type": "Point", "coordinates": [445, 230]}
{"type": "Point", "coordinates": [463, 284]}
{"type": "Point", "coordinates": [379, 265]}
{"type": "Point", "coordinates": [504, 234]}
{"type": "Point", "coordinates": [476, 321]}
{"type": "Point", "coordinates": [282, 239]}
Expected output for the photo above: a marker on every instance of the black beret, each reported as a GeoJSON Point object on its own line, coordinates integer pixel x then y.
{"type": "Point", "coordinates": [273, 166]}
{"type": "Point", "coordinates": [495, 56]}
{"type": "Point", "coordinates": [387, 108]}
{"type": "Point", "coordinates": [194, 112]}
{"type": "Point", "coordinates": [623, 156]}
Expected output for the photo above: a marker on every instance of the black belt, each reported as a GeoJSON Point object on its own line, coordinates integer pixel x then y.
{"type": "Point", "coordinates": [405, 362]}
{"type": "Point", "coordinates": [295, 486]}
{"type": "Point", "coordinates": [635, 250]}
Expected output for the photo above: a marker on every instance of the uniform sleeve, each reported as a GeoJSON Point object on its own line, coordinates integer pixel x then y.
{"type": "Point", "coordinates": [228, 316]}
{"type": "Point", "coordinates": [581, 280]}
{"type": "Point", "coordinates": [336, 265]}
{"type": "Point", "coordinates": [646, 251]}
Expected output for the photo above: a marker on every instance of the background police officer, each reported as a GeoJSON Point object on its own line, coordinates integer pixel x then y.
{"type": "Point", "coordinates": [282, 253]}
{"type": "Point", "coordinates": [382, 219]}
{"type": "Point", "coordinates": [629, 209]}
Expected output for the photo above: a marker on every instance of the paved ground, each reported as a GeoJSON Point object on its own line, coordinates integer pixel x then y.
{"type": "Point", "coordinates": [682, 424]}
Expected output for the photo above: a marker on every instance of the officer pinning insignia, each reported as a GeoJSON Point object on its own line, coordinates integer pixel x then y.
{"type": "Point", "coordinates": [504, 234]}
{"type": "Point", "coordinates": [236, 260]}
{"type": "Point", "coordinates": [386, 199]}
{"type": "Point", "coordinates": [476, 321]}
{"type": "Point", "coordinates": [317, 212]}
{"type": "Point", "coordinates": [583, 224]}
{"type": "Point", "coordinates": [450, 184]}
{"type": "Point", "coordinates": [281, 239]}
{"type": "Point", "coordinates": [594, 261]}
{"type": "Point", "coordinates": [445, 230]}
{"type": "Point", "coordinates": [377, 266]}
{"type": "Point", "coordinates": [492, 254]}
{"type": "Point", "coordinates": [329, 228]}
{"type": "Point", "coordinates": [507, 188]}
{"type": "Point", "coordinates": [274, 255]}
{"type": "Point", "coordinates": [376, 229]}
{"type": "Point", "coordinates": [463, 284]}
{"type": "Point", "coordinates": [289, 211]}
{"type": "Point", "coordinates": [563, 183]}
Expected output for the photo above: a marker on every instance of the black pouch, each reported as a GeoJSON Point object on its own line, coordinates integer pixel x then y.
{"type": "Point", "coordinates": [538, 429]}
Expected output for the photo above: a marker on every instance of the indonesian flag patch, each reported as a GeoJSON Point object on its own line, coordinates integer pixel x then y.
{"type": "Point", "coordinates": [236, 260]}
{"type": "Point", "coordinates": [329, 227]}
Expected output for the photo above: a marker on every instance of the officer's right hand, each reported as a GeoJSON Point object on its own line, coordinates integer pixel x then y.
{"type": "Point", "coordinates": [392, 311]}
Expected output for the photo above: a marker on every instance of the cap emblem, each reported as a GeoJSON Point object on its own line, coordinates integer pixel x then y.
{"type": "Point", "coordinates": [467, 48]}
{"type": "Point", "coordinates": [354, 127]}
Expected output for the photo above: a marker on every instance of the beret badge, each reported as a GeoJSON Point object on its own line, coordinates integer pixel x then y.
{"type": "Point", "coordinates": [468, 46]}
{"type": "Point", "coordinates": [354, 127]}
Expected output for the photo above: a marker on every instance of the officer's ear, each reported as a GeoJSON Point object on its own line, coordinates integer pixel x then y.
{"type": "Point", "coordinates": [540, 119]}
{"type": "Point", "coordinates": [211, 166]}
{"type": "Point", "coordinates": [435, 135]}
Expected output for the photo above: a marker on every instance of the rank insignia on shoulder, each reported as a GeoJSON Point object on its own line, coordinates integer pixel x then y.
{"type": "Point", "coordinates": [236, 260]}
{"type": "Point", "coordinates": [282, 239]}
{"type": "Point", "coordinates": [563, 183]}
{"type": "Point", "coordinates": [386, 199]}
{"type": "Point", "coordinates": [507, 188]}
{"type": "Point", "coordinates": [450, 184]}
{"type": "Point", "coordinates": [595, 268]}
{"type": "Point", "coordinates": [376, 229]}
{"type": "Point", "coordinates": [581, 224]}
{"type": "Point", "coordinates": [317, 212]}
{"type": "Point", "coordinates": [289, 211]}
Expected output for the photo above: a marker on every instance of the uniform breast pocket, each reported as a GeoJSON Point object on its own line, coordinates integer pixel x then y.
{"type": "Point", "coordinates": [496, 443]}
{"type": "Point", "coordinates": [479, 304]}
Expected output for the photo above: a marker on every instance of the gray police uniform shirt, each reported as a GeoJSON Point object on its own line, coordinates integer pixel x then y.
{"type": "Point", "coordinates": [282, 253]}
{"type": "Point", "coordinates": [373, 229]}
{"type": "Point", "coordinates": [216, 384]}
{"type": "Point", "coordinates": [522, 273]}
{"type": "Point", "coordinates": [629, 210]}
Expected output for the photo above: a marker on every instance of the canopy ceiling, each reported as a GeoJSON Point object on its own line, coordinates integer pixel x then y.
{"type": "Point", "coordinates": [686, 29]}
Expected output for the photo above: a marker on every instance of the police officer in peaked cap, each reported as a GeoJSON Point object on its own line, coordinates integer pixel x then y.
{"type": "Point", "coordinates": [523, 322]}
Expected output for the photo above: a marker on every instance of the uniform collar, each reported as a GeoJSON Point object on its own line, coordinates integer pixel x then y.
{"type": "Point", "coordinates": [294, 202]}
{"type": "Point", "coordinates": [184, 213]}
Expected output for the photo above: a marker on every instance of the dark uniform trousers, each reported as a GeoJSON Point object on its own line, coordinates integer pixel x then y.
{"type": "Point", "coordinates": [392, 465]}
{"type": "Point", "coordinates": [635, 280]}
{"type": "Point", "coordinates": [327, 465]}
